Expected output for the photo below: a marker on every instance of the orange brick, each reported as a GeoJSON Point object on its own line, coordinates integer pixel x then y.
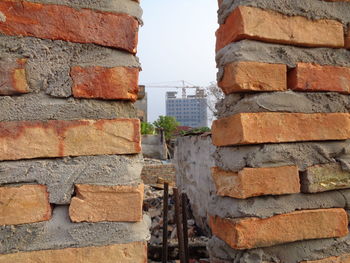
{"type": "Point", "coordinates": [247, 233]}
{"type": "Point", "coordinates": [95, 203]}
{"type": "Point", "coordinates": [274, 127]}
{"type": "Point", "coordinates": [268, 26]}
{"type": "Point", "coordinates": [119, 83]}
{"type": "Point", "coordinates": [251, 182]}
{"type": "Point", "coordinates": [341, 259]}
{"type": "Point", "coordinates": [58, 22]}
{"type": "Point", "coordinates": [26, 140]}
{"type": "Point", "coordinates": [311, 77]}
{"type": "Point", "coordinates": [13, 77]}
{"type": "Point", "coordinates": [135, 252]}
{"type": "Point", "coordinates": [24, 204]}
{"type": "Point", "coordinates": [253, 76]}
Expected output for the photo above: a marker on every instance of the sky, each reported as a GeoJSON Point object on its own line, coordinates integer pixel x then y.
{"type": "Point", "coordinates": [177, 42]}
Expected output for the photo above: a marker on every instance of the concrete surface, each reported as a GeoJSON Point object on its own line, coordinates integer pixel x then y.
{"type": "Point", "coordinates": [61, 174]}
{"type": "Point", "coordinates": [60, 233]}
{"type": "Point", "coordinates": [154, 146]}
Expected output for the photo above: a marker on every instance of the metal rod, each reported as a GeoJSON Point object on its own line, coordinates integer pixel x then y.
{"type": "Point", "coordinates": [185, 228]}
{"type": "Point", "coordinates": [180, 237]}
{"type": "Point", "coordinates": [165, 223]}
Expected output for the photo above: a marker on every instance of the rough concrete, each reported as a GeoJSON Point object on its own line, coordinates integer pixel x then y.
{"type": "Point", "coordinates": [44, 107]}
{"type": "Point", "coordinates": [49, 61]}
{"type": "Point", "coordinates": [248, 50]}
{"type": "Point", "coordinates": [60, 232]}
{"type": "Point", "coordinates": [193, 161]}
{"type": "Point", "coordinates": [129, 7]}
{"type": "Point", "coordinates": [302, 154]}
{"type": "Point", "coordinates": [61, 174]}
{"type": "Point", "coordinates": [154, 146]}
{"type": "Point", "coordinates": [308, 102]}
{"type": "Point", "coordinates": [312, 9]}
{"type": "Point", "coordinates": [268, 206]}
{"type": "Point", "coordinates": [286, 253]}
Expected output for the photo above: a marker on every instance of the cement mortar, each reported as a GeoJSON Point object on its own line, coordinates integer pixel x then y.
{"type": "Point", "coordinates": [49, 61]}
{"type": "Point", "coordinates": [286, 253]}
{"type": "Point", "coordinates": [267, 206]}
{"type": "Point", "coordinates": [61, 174]}
{"type": "Point", "coordinates": [289, 101]}
{"type": "Point", "coordinates": [39, 106]}
{"type": "Point", "coordinates": [312, 9]}
{"type": "Point", "coordinates": [302, 154]}
{"type": "Point", "coordinates": [60, 232]}
{"type": "Point", "coordinates": [116, 6]}
{"type": "Point", "coordinates": [248, 50]}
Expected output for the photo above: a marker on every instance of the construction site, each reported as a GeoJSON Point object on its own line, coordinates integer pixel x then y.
{"type": "Point", "coordinates": [89, 175]}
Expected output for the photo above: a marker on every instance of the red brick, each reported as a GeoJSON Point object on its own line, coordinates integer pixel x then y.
{"type": "Point", "coordinates": [95, 203]}
{"type": "Point", "coordinates": [24, 204]}
{"type": "Point", "coordinates": [13, 77]}
{"type": "Point", "coordinates": [274, 127]}
{"type": "Point", "coordinates": [268, 26]}
{"type": "Point", "coordinates": [119, 83]}
{"type": "Point", "coordinates": [311, 77]}
{"type": "Point", "coordinates": [135, 252]}
{"type": "Point", "coordinates": [58, 22]}
{"type": "Point", "coordinates": [26, 140]}
{"type": "Point", "coordinates": [253, 76]}
{"type": "Point", "coordinates": [251, 182]}
{"type": "Point", "coordinates": [248, 233]}
{"type": "Point", "coordinates": [341, 259]}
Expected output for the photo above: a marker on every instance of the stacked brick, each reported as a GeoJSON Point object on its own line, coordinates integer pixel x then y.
{"type": "Point", "coordinates": [280, 187]}
{"type": "Point", "coordinates": [70, 162]}
{"type": "Point", "coordinates": [283, 131]}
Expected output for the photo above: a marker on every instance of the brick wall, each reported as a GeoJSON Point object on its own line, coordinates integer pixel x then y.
{"type": "Point", "coordinates": [152, 172]}
{"type": "Point", "coordinates": [70, 162]}
{"type": "Point", "coordinates": [279, 189]}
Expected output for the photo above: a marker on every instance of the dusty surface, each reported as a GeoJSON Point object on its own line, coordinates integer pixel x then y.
{"type": "Point", "coordinates": [289, 101]}
{"type": "Point", "coordinates": [135, 252]}
{"type": "Point", "coordinates": [60, 175]}
{"type": "Point", "coordinates": [49, 62]}
{"type": "Point", "coordinates": [60, 233]}
{"type": "Point", "coordinates": [312, 9]}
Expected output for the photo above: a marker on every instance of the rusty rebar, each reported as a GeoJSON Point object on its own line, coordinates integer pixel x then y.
{"type": "Point", "coordinates": [165, 223]}
{"type": "Point", "coordinates": [184, 226]}
{"type": "Point", "coordinates": [180, 237]}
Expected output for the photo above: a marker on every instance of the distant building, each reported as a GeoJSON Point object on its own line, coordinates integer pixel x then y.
{"type": "Point", "coordinates": [141, 104]}
{"type": "Point", "coordinates": [191, 110]}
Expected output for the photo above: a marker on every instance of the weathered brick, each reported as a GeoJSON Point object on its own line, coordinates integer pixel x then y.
{"type": "Point", "coordinates": [13, 76]}
{"type": "Point", "coordinates": [325, 177]}
{"type": "Point", "coordinates": [26, 140]}
{"type": "Point", "coordinates": [24, 204]}
{"type": "Point", "coordinates": [269, 26]}
{"type": "Point", "coordinates": [251, 182]}
{"type": "Point", "coordinates": [253, 76]}
{"type": "Point", "coordinates": [95, 203]}
{"type": "Point", "coordinates": [118, 253]}
{"type": "Point", "coordinates": [279, 229]}
{"type": "Point", "coordinates": [273, 127]}
{"type": "Point", "coordinates": [59, 22]}
{"type": "Point", "coordinates": [341, 259]}
{"type": "Point", "coordinates": [119, 83]}
{"type": "Point", "coordinates": [347, 39]}
{"type": "Point", "coordinates": [311, 77]}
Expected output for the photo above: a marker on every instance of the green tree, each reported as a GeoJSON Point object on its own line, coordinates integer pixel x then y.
{"type": "Point", "coordinates": [168, 124]}
{"type": "Point", "coordinates": [147, 128]}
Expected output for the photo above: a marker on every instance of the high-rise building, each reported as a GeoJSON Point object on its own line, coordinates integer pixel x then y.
{"type": "Point", "coordinates": [189, 110]}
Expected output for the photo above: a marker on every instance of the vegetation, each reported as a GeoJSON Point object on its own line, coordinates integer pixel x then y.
{"type": "Point", "coordinates": [168, 124]}
{"type": "Point", "coordinates": [147, 128]}
{"type": "Point", "coordinates": [195, 131]}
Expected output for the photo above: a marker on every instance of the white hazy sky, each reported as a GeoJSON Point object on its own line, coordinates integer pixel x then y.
{"type": "Point", "coordinates": [177, 42]}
